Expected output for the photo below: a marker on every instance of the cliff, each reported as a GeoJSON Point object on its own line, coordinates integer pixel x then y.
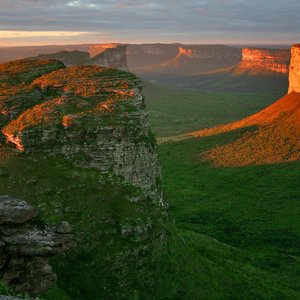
{"type": "Point", "coordinates": [94, 112]}
{"type": "Point", "coordinates": [264, 60]}
{"type": "Point", "coordinates": [294, 75]}
{"type": "Point", "coordinates": [103, 55]}
{"type": "Point", "coordinates": [109, 55]}
{"type": "Point", "coordinates": [25, 247]}
{"type": "Point", "coordinates": [141, 56]}
{"type": "Point", "coordinates": [217, 52]}
{"type": "Point", "coordinates": [86, 154]}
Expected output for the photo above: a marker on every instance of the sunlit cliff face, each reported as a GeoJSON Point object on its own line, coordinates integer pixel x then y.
{"type": "Point", "coordinates": [98, 49]}
{"type": "Point", "coordinates": [294, 75]}
{"type": "Point", "coordinates": [186, 52]}
{"type": "Point", "coordinates": [264, 59]}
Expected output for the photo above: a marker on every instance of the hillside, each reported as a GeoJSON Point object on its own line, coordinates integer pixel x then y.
{"type": "Point", "coordinates": [276, 140]}
{"type": "Point", "coordinates": [273, 135]}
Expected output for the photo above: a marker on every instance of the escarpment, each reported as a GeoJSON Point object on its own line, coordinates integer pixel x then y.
{"type": "Point", "coordinates": [264, 60]}
{"type": "Point", "coordinates": [85, 149]}
{"type": "Point", "coordinates": [94, 112]}
{"type": "Point", "coordinates": [103, 55]}
{"type": "Point", "coordinates": [110, 56]}
{"type": "Point", "coordinates": [294, 75]}
{"type": "Point", "coordinates": [25, 247]}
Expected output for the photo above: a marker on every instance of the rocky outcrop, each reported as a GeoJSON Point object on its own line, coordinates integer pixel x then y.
{"type": "Point", "coordinates": [89, 122]}
{"type": "Point", "coordinates": [25, 247]}
{"type": "Point", "coordinates": [109, 56]}
{"type": "Point", "coordinates": [94, 112]}
{"type": "Point", "coordinates": [294, 75]}
{"type": "Point", "coordinates": [265, 60]}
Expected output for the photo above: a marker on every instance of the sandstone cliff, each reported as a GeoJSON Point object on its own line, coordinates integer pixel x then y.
{"type": "Point", "coordinates": [87, 154]}
{"type": "Point", "coordinates": [25, 247]}
{"type": "Point", "coordinates": [294, 75]}
{"type": "Point", "coordinates": [109, 55]}
{"type": "Point", "coordinates": [92, 111]}
{"type": "Point", "coordinates": [103, 55]}
{"type": "Point", "coordinates": [264, 60]}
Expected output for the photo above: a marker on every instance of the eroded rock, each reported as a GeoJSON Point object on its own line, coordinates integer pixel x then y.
{"type": "Point", "coordinates": [26, 247]}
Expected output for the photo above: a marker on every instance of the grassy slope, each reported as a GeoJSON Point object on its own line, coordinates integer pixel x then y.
{"type": "Point", "coordinates": [174, 111]}
{"type": "Point", "coordinates": [253, 212]}
{"type": "Point", "coordinates": [241, 225]}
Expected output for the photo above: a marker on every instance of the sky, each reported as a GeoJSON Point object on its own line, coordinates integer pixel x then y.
{"type": "Point", "coordinates": [44, 22]}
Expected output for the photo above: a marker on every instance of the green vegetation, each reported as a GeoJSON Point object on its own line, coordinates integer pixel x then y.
{"type": "Point", "coordinates": [243, 222]}
{"type": "Point", "coordinates": [98, 208]}
{"type": "Point", "coordinates": [240, 226]}
{"type": "Point", "coordinates": [174, 111]}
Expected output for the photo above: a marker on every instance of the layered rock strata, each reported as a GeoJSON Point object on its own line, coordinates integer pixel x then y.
{"type": "Point", "coordinates": [90, 111]}
{"type": "Point", "coordinates": [94, 118]}
{"type": "Point", "coordinates": [109, 56]}
{"type": "Point", "coordinates": [270, 60]}
{"type": "Point", "coordinates": [25, 247]}
{"type": "Point", "coordinates": [294, 75]}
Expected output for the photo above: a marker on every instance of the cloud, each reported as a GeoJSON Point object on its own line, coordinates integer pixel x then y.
{"type": "Point", "coordinates": [198, 19]}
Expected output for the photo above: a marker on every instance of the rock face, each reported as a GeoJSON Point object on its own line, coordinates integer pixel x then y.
{"type": "Point", "coordinates": [207, 52]}
{"type": "Point", "coordinates": [265, 60]}
{"type": "Point", "coordinates": [94, 112]}
{"type": "Point", "coordinates": [103, 55]}
{"type": "Point", "coordinates": [25, 247]}
{"type": "Point", "coordinates": [294, 75]}
{"type": "Point", "coordinates": [90, 121]}
{"type": "Point", "coordinates": [140, 56]}
{"type": "Point", "coordinates": [109, 56]}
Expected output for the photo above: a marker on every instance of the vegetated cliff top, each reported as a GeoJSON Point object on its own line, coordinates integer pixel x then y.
{"type": "Point", "coordinates": [24, 71]}
{"type": "Point", "coordinates": [89, 122]}
{"type": "Point", "coordinates": [64, 96]}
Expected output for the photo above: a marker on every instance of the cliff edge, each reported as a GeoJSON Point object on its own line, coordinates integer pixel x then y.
{"type": "Point", "coordinates": [77, 144]}
{"type": "Point", "coordinates": [256, 61]}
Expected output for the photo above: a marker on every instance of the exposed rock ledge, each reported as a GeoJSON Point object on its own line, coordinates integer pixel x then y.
{"type": "Point", "coordinates": [270, 60]}
{"type": "Point", "coordinates": [25, 247]}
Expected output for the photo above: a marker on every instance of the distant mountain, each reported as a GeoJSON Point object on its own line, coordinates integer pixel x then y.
{"type": "Point", "coordinates": [104, 55]}
{"type": "Point", "coordinates": [12, 53]}
{"type": "Point", "coordinates": [262, 70]}
{"type": "Point", "coordinates": [191, 59]}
